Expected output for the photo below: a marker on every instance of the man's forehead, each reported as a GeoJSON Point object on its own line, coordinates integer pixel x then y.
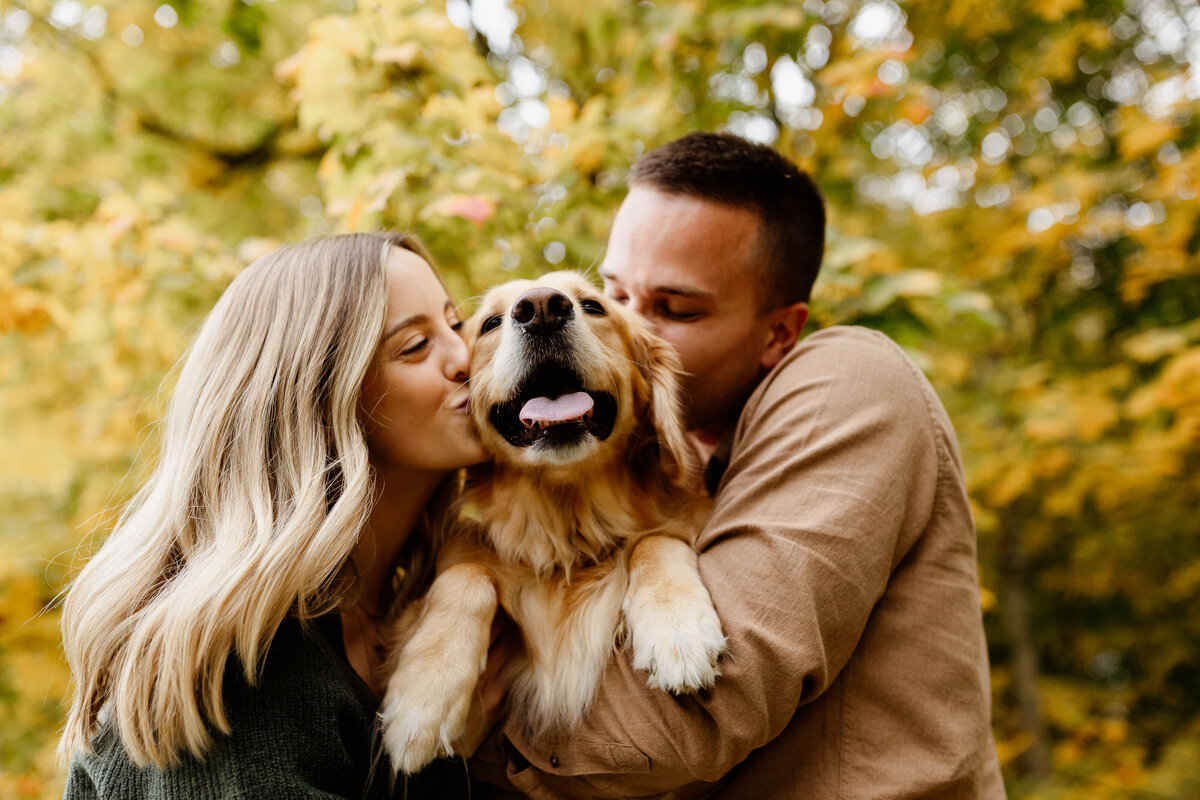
{"type": "Point", "coordinates": [689, 275]}
{"type": "Point", "coordinates": [687, 244]}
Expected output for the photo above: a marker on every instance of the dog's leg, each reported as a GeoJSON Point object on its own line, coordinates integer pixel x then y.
{"type": "Point", "coordinates": [673, 629]}
{"type": "Point", "coordinates": [430, 691]}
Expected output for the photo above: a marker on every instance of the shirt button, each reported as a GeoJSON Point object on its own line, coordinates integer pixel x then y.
{"type": "Point", "coordinates": [554, 761]}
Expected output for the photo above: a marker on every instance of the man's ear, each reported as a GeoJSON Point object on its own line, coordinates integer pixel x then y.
{"type": "Point", "coordinates": [784, 326]}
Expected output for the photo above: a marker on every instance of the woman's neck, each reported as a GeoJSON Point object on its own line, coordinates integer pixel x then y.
{"type": "Point", "coordinates": [399, 501]}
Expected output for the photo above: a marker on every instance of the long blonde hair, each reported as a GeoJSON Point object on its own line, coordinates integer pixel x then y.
{"type": "Point", "coordinates": [259, 495]}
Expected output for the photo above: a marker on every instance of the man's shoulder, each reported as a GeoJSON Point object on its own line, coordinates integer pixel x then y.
{"type": "Point", "coordinates": [847, 366]}
{"type": "Point", "coordinates": [846, 347]}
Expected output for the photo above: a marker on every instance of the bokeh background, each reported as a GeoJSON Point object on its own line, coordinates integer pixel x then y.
{"type": "Point", "coordinates": [1012, 189]}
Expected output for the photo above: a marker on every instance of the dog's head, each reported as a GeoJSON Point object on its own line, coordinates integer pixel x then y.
{"type": "Point", "coordinates": [563, 376]}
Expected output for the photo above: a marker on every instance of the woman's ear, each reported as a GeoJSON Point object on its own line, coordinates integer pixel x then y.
{"type": "Point", "coordinates": [660, 368]}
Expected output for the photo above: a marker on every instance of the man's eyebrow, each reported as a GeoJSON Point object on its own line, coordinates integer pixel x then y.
{"type": "Point", "coordinates": [674, 291]}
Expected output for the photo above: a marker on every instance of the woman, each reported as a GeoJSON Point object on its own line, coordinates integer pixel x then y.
{"type": "Point", "coordinates": [226, 638]}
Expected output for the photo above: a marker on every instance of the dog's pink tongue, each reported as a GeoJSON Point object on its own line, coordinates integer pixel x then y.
{"type": "Point", "coordinates": [560, 409]}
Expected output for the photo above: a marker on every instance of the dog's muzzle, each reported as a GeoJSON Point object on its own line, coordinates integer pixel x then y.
{"type": "Point", "coordinates": [552, 406]}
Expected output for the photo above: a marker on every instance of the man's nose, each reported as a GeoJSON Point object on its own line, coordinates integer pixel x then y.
{"type": "Point", "coordinates": [642, 310]}
{"type": "Point", "coordinates": [542, 311]}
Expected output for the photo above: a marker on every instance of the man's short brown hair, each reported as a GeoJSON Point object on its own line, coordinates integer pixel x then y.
{"type": "Point", "coordinates": [729, 169]}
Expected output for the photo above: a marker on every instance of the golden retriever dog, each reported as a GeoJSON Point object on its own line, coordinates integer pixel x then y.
{"type": "Point", "coordinates": [581, 527]}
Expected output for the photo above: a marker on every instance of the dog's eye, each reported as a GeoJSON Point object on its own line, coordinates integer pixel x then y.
{"type": "Point", "coordinates": [593, 307]}
{"type": "Point", "coordinates": [489, 324]}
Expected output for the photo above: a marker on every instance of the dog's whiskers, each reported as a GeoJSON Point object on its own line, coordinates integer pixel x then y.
{"type": "Point", "coordinates": [445, 402]}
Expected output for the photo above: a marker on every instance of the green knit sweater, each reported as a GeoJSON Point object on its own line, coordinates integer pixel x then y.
{"type": "Point", "coordinates": [307, 730]}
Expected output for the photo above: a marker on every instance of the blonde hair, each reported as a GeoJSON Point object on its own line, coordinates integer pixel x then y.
{"type": "Point", "coordinates": [261, 490]}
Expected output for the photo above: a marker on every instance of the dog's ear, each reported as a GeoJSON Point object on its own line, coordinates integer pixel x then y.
{"type": "Point", "coordinates": [660, 368]}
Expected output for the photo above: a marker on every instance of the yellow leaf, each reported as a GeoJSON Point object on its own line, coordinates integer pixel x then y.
{"type": "Point", "coordinates": [1094, 414]}
{"type": "Point", "coordinates": [404, 54]}
{"type": "Point", "coordinates": [1141, 136]}
{"type": "Point", "coordinates": [1154, 344]}
{"type": "Point", "coordinates": [1048, 429]}
{"type": "Point", "coordinates": [1011, 485]}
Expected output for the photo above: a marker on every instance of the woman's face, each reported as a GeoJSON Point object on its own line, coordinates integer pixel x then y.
{"type": "Point", "coordinates": [414, 396]}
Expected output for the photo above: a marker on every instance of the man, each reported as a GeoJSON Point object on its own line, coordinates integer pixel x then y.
{"type": "Point", "coordinates": [840, 553]}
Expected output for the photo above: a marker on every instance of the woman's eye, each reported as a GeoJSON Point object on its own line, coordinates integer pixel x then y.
{"type": "Point", "coordinates": [489, 324]}
{"type": "Point", "coordinates": [593, 307]}
{"type": "Point", "coordinates": [415, 347]}
{"type": "Point", "coordinates": [456, 326]}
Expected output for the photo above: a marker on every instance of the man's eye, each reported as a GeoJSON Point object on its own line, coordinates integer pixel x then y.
{"type": "Point", "coordinates": [679, 315]}
{"type": "Point", "coordinates": [489, 324]}
{"type": "Point", "coordinates": [594, 307]}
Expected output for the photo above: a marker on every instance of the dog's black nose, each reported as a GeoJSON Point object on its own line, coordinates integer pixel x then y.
{"type": "Point", "coordinates": [542, 311]}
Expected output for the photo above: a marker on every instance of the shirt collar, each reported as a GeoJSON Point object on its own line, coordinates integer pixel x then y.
{"type": "Point", "coordinates": [718, 462]}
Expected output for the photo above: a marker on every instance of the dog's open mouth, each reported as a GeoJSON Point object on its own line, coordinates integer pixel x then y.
{"type": "Point", "coordinates": [554, 408]}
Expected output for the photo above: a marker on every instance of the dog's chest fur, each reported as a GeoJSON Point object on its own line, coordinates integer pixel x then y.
{"type": "Point", "coordinates": [570, 630]}
{"type": "Point", "coordinates": [565, 575]}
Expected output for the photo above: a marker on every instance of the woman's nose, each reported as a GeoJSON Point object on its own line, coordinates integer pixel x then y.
{"type": "Point", "coordinates": [458, 360]}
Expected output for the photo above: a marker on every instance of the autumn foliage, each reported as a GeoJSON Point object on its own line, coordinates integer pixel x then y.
{"type": "Point", "coordinates": [1012, 190]}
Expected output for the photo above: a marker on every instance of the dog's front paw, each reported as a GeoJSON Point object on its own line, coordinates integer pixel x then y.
{"type": "Point", "coordinates": [429, 694]}
{"type": "Point", "coordinates": [423, 714]}
{"type": "Point", "coordinates": [677, 641]}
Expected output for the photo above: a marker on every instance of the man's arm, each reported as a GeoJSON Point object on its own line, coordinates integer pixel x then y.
{"type": "Point", "coordinates": [833, 475]}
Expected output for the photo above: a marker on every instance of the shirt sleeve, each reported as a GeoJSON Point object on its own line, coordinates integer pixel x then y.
{"type": "Point", "coordinates": [832, 478]}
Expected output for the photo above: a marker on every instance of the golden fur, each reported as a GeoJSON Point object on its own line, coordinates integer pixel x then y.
{"type": "Point", "coordinates": [582, 521]}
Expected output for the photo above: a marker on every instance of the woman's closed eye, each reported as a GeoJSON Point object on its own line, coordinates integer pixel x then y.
{"type": "Point", "coordinates": [414, 346]}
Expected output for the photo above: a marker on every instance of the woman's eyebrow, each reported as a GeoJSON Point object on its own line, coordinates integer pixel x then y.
{"type": "Point", "coordinates": [415, 319]}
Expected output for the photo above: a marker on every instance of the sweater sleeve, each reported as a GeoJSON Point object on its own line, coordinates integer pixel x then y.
{"type": "Point", "coordinates": [303, 731]}
{"type": "Point", "coordinates": [832, 478]}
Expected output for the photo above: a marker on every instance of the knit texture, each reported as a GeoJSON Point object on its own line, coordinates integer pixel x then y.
{"type": "Point", "coordinates": [306, 730]}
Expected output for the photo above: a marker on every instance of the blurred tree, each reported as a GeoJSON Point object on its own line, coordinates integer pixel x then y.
{"type": "Point", "coordinates": [147, 155]}
{"type": "Point", "coordinates": [1012, 197]}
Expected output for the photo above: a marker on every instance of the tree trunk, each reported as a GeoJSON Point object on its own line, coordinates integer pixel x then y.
{"type": "Point", "coordinates": [1014, 602]}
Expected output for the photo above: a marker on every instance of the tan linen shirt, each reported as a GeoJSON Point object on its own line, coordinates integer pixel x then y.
{"type": "Point", "coordinates": [840, 556]}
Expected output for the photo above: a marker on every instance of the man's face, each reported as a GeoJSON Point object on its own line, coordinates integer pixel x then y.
{"type": "Point", "coordinates": [689, 266]}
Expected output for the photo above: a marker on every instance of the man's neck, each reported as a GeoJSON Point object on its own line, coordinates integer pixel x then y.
{"type": "Point", "coordinates": [705, 441]}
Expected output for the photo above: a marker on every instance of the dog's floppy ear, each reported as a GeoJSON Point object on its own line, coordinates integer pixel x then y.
{"type": "Point", "coordinates": [660, 368]}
